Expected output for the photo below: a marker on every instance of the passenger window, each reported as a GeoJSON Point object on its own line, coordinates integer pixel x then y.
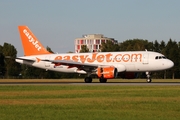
{"type": "Point", "coordinates": [156, 57]}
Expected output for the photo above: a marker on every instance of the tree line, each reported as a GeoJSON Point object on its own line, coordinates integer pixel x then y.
{"type": "Point", "coordinates": [11, 69]}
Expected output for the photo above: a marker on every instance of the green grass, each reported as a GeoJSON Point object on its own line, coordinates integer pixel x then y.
{"type": "Point", "coordinates": [67, 102]}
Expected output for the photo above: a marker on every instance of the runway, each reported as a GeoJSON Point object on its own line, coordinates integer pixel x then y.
{"type": "Point", "coordinates": [120, 82]}
{"type": "Point", "coordinates": [95, 83]}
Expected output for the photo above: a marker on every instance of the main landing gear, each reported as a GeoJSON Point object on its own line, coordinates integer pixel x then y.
{"type": "Point", "coordinates": [148, 77]}
{"type": "Point", "coordinates": [102, 80]}
{"type": "Point", "coordinates": [89, 80]}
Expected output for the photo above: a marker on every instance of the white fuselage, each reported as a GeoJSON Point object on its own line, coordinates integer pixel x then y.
{"type": "Point", "coordinates": [137, 61]}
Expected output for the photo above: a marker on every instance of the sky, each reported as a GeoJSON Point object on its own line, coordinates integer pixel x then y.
{"type": "Point", "coordinates": [57, 23]}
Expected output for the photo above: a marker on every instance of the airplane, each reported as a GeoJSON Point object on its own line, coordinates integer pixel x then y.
{"type": "Point", "coordinates": [106, 65]}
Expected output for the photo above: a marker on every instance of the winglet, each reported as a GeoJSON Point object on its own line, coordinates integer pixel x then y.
{"type": "Point", "coordinates": [31, 44]}
{"type": "Point", "coordinates": [38, 59]}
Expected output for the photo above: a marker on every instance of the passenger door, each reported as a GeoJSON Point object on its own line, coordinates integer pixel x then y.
{"type": "Point", "coordinates": [145, 58]}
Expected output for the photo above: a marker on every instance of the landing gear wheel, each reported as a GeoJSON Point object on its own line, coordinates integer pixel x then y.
{"type": "Point", "coordinates": [87, 79]}
{"type": "Point", "coordinates": [102, 80]}
{"type": "Point", "coordinates": [148, 77]}
{"type": "Point", "coordinates": [149, 80]}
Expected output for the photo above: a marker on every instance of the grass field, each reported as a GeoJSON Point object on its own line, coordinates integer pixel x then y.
{"type": "Point", "coordinates": [80, 102]}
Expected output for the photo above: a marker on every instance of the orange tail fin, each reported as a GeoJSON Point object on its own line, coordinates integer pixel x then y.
{"type": "Point", "coordinates": [30, 43]}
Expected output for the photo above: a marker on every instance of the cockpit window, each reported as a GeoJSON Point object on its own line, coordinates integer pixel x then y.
{"type": "Point", "coordinates": [160, 57]}
{"type": "Point", "coordinates": [164, 57]}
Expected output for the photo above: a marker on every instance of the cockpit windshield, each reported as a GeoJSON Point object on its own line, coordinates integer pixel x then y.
{"type": "Point", "coordinates": [160, 57]}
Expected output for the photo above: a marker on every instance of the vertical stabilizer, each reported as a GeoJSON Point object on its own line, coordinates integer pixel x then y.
{"type": "Point", "coordinates": [31, 44]}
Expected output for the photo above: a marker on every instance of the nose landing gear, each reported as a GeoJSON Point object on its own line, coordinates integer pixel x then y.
{"type": "Point", "coordinates": [148, 77]}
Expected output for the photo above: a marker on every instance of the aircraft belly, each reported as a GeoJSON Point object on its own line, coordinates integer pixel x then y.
{"type": "Point", "coordinates": [137, 67]}
{"type": "Point", "coordinates": [130, 67]}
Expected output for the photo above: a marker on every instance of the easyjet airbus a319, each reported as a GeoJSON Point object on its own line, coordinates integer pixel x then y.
{"type": "Point", "coordinates": [106, 65]}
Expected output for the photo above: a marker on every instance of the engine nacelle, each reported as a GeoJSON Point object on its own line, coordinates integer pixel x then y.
{"type": "Point", "coordinates": [128, 75]}
{"type": "Point", "coordinates": [107, 72]}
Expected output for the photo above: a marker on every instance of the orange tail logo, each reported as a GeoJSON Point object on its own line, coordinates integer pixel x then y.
{"type": "Point", "coordinates": [30, 43]}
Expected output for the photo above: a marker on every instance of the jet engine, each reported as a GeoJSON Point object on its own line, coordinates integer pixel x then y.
{"type": "Point", "coordinates": [107, 72]}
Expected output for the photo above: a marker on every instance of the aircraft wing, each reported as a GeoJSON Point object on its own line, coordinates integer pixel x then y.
{"type": "Point", "coordinates": [70, 64]}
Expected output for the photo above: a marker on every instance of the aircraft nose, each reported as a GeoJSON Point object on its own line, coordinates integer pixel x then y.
{"type": "Point", "coordinates": [170, 64]}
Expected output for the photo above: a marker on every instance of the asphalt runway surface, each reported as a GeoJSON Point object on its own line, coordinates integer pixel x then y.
{"type": "Point", "coordinates": [95, 83]}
